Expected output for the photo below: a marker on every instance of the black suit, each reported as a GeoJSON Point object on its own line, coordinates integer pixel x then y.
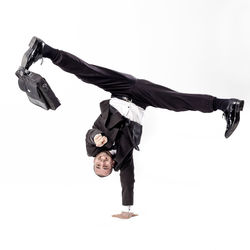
{"type": "Point", "coordinates": [111, 123]}
{"type": "Point", "coordinates": [118, 131]}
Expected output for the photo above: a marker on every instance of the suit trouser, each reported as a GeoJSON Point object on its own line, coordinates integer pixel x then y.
{"type": "Point", "coordinates": [143, 93]}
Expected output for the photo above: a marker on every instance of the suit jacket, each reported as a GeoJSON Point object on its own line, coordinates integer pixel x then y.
{"type": "Point", "coordinates": [126, 136]}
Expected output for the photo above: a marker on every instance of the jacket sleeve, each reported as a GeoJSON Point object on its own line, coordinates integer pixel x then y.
{"type": "Point", "coordinates": [127, 180]}
{"type": "Point", "coordinates": [91, 134]}
{"type": "Point", "coordinates": [92, 150]}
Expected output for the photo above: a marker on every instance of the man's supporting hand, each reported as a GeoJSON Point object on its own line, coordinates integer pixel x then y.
{"type": "Point", "coordinates": [100, 140]}
{"type": "Point", "coordinates": [124, 215]}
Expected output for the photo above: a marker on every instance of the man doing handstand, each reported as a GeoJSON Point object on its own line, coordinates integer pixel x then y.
{"type": "Point", "coordinates": [117, 130]}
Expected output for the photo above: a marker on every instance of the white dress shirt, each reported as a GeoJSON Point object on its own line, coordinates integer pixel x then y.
{"type": "Point", "coordinates": [128, 109]}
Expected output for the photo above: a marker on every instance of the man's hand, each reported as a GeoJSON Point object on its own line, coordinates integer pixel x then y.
{"type": "Point", "coordinates": [124, 215]}
{"type": "Point", "coordinates": [100, 140]}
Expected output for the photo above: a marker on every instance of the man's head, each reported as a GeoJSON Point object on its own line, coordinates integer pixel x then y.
{"type": "Point", "coordinates": [103, 164]}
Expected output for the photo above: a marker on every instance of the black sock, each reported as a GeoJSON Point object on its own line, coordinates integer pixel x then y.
{"type": "Point", "coordinates": [220, 104]}
{"type": "Point", "coordinates": [49, 52]}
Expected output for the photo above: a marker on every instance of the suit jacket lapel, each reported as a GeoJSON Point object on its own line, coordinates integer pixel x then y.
{"type": "Point", "coordinates": [104, 106]}
{"type": "Point", "coordinates": [110, 120]}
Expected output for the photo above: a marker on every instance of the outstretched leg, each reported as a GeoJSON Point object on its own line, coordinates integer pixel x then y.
{"type": "Point", "coordinates": [150, 94]}
{"type": "Point", "coordinates": [112, 81]}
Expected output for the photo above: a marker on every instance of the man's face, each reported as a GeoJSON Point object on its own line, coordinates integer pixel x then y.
{"type": "Point", "coordinates": [103, 164]}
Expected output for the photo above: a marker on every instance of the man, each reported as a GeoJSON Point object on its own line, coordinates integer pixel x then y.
{"type": "Point", "coordinates": [117, 131]}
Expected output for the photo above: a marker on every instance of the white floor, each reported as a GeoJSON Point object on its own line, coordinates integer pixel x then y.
{"type": "Point", "coordinates": [192, 185]}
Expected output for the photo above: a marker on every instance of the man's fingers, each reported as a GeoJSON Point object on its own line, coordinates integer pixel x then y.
{"type": "Point", "coordinates": [100, 140]}
{"type": "Point", "coordinates": [134, 215]}
{"type": "Point", "coordinates": [120, 216]}
{"type": "Point", "coordinates": [97, 136]}
{"type": "Point", "coordinates": [105, 139]}
{"type": "Point", "coordinates": [124, 215]}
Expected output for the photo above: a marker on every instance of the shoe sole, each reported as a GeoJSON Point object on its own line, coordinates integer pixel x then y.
{"type": "Point", "coordinates": [32, 44]}
{"type": "Point", "coordinates": [237, 110]}
{"type": "Point", "coordinates": [241, 105]}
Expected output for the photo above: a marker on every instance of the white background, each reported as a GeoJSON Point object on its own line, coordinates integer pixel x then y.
{"type": "Point", "coordinates": [192, 185]}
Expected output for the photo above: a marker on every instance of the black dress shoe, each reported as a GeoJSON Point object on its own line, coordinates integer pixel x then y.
{"type": "Point", "coordinates": [34, 53]}
{"type": "Point", "coordinates": [232, 115]}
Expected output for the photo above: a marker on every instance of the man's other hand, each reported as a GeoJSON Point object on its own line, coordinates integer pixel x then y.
{"type": "Point", "coordinates": [124, 215]}
{"type": "Point", "coordinates": [100, 140]}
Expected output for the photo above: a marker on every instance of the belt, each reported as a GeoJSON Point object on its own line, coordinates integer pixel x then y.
{"type": "Point", "coordinates": [128, 99]}
{"type": "Point", "coordinates": [124, 98]}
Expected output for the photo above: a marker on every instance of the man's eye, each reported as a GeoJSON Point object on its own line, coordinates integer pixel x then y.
{"type": "Point", "coordinates": [97, 167]}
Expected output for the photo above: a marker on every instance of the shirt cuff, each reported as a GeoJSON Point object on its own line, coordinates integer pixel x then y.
{"type": "Point", "coordinates": [126, 208]}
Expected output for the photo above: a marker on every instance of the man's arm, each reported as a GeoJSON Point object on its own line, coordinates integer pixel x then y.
{"type": "Point", "coordinates": [127, 183]}
{"type": "Point", "coordinates": [127, 180]}
{"type": "Point", "coordinates": [91, 135]}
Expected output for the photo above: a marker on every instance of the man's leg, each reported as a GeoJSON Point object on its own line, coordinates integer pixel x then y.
{"type": "Point", "coordinates": [110, 80]}
{"type": "Point", "coordinates": [149, 94]}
